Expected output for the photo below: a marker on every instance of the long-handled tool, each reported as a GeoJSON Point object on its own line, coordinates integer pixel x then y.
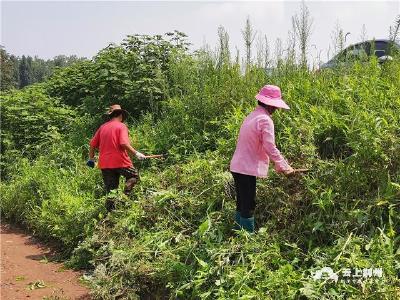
{"type": "Point", "coordinates": [300, 170]}
{"type": "Point", "coordinates": [157, 156]}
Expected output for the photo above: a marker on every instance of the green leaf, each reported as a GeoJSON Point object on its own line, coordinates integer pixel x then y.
{"type": "Point", "coordinates": [201, 262]}
{"type": "Point", "coordinates": [204, 227]}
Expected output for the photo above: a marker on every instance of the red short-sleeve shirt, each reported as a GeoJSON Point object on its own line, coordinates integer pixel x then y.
{"type": "Point", "coordinates": [108, 139]}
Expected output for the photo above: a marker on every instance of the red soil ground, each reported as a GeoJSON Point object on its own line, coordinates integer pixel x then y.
{"type": "Point", "coordinates": [28, 272]}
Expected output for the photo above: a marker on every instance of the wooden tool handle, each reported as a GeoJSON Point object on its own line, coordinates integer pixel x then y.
{"type": "Point", "coordinates": [301, 170]}
{"type": "Point", "coordinates": [155, 156]}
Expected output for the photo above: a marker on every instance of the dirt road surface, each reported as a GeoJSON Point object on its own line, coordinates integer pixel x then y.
{"type": "Point", "coordinates": [27, 270]}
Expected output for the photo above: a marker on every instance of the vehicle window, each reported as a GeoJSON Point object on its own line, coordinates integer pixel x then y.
{"type": "Point", "coordinates": [380, 48]}
{"type": "Point", "coordinates": [379, 53]}
{"type": "Point", "coordinates": [381, 45]}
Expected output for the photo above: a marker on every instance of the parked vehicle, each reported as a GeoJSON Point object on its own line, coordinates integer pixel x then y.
{"type": "Point", "coordinates": [383, 49]}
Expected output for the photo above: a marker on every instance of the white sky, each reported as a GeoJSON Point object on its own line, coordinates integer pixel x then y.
{"type": "Point", "coordinates": [50, 28]}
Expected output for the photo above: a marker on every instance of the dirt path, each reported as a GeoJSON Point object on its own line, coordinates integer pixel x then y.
{"type": "Point", "coordinates": [28, 273]}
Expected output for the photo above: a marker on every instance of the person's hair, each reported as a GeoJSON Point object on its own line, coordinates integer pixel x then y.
{"type": "Point", "coordinates": [116, 114]}
{"type": "Point", "coordinates": [266, 106]}
{"type": "Point", "coordinates": [262, 104]}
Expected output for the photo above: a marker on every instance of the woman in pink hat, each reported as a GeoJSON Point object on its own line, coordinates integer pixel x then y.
{"type": "Point", "coordinates": [254, 149]}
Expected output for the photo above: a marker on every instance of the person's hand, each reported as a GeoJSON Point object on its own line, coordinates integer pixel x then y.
{"type": "Point", "coordinates": [139, 155]}
{"type": "Point", "coordinates": [90, 163]}
{"type": "Point", "coordinates": [289, 171]}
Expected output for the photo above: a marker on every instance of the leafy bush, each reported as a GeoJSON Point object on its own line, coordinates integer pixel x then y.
{"type": "Point", "coordinates": [31, 120]}
{"type": "Point", "coordinates": [133, 74]}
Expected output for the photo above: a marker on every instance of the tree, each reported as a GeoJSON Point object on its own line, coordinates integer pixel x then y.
{"type": "Point", "coordinates": [224, 55]}
{"type": "Point", "coordinates": [60, 61]}
{"type": "Point", "coordinates": [31, 76]}
{"type": "Point", "coordinates": [135, 74]}
{"type": "Point", "coordinates": [267, 60]}
{"type": "Point", "coordinates": [41, 69]}
{"type": "Point", "coordinates": [338, 38]}
{"type": "Point", "coordinates": [302, 28]}
{"type": "Point", "coordinates": [278, 51]}
{"type": "Point", "coordinates": [248, 35]}
{"type": "Point", "coordinates": [237, 58]}
{"type": "Point", "coordinates": [260, 51]}
{"type": "Point", "coordinates": [291, 46]}
{"type": "Point", "coordinates": [15, 62]}
{"type": "Point", "coordinates": [363, 34]}
{"type": "Point", "coordinates": [24, 72]}
{"type": "Point", "coordinates": [394, 31]}
{"type": "Point", "coordinates": [7, 80]}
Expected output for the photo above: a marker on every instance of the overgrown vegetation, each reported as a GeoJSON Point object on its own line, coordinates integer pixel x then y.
{"type": "Point", "coordinates": [173, 237]}
{"type": "Point", "coordinates": [19, 72]}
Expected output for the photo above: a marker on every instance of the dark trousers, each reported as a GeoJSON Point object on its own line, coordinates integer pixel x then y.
{"type": "Point", "coordinates": [111, 181]}
{"type": "Point", "coordinates": [245, 186]}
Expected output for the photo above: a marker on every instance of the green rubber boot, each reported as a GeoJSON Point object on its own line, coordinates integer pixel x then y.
{"type": "Point", "coordinates": [247, 224]}
{"type": "Point", "coordinates": [237, 221]}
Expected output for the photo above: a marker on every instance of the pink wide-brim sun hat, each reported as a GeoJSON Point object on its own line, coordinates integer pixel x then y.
{"type": "Point", "coordinates": [271, 95]}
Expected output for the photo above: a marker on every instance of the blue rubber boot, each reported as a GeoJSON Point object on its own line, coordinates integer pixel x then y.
{"type": "Point", "coordinates": [247, 224]}
{"type": "Point", "coordinates": [237, 221]}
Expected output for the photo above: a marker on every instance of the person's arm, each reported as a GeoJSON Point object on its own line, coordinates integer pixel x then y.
{"type": "Point", "coordinates": [126, 145]}
{"type": "Point", "coordinates": [91, 152]}
{"type": "Point", "coordinates": [132, 151]}
{"type": "Point", "coordinates": [94, 143]}
{"type": "Point", "coordinates": [268, 141]}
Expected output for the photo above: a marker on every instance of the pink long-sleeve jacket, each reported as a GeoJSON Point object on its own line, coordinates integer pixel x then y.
{"type": "Point", "coordinates": [256, 146]}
